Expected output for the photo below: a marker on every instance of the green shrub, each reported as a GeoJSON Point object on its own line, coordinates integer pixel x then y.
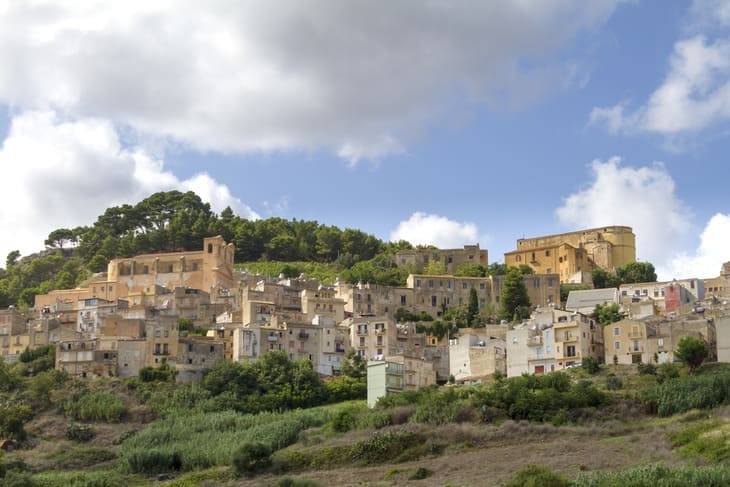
{"type": "Point", "coordinates": [591, 365]}
{"type": "Point", "coordinates": [346, 388]}
{"type": "Point", "coordinates": [382, 447]}
{"type": "Point", "coordinates": [13, 416]}
{"type": "Point", "coordinates": [344, 420]}
{"type": "Point", "coordinates": [290, 482]}
{"type": "Point", "coordinates": [420, 473]}
{"type": "Point", "coordinates": [95, 406]}
{"type": "Point", "coordinates": [11, 465]}
{"type": "Point", "coordinates": [667, 371]}
{"type": "Point", "coordinates": [647, 369]}
{"type": "Point", "coordinates": [163, 373]}
{"type": "Point", "coordinates": [376, 419]}
{"type": "Point", "coordinates": [250, 458]}
{"type": "Point", "coordinates": [79, 432]}
{"type": "Point", "coordinates": [535, 476]}
{"type": "Point", "coordinates": [16, 478]}
{"type": "Point", "coordinates": [613, 383]}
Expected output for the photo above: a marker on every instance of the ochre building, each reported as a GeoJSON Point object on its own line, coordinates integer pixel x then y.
{"type": "Point", "coordinates": [574, 255]}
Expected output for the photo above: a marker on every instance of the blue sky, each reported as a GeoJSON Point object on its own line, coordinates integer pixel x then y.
{"type": "Point", "coordinates": [484, 135]}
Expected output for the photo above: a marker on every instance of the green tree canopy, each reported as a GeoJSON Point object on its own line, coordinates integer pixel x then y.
{"type": "Point", "coordinates": [469, 269]}
{"type": "Point", "coordinates": [608, 313]}
{"type": "Point", "coordinates": [515, 303]}
{"type": "Point", "coordinates": [691, 351]}
{"type": "Point", "coordinates": [636, 272]}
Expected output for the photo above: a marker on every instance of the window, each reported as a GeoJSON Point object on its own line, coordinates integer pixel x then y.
{"type": "Point", "coordinates": [212, 349]}
{"type": "Point", "coordinates": [430, 283]}
{"type": "Point", "coordinates": [616, 331]}
{"type": "Point", "coordinates": [433, 301]}
{"type": "Point", "coordinates": [402, 300]}
{"type": "Point", "coordinates": [464, 285]}
{"type": "Point", "coordinates": [616, 345]}
{"type": "Point", "coordinates": [210, 248]}
{"type": "Point", "coordinates": [481, 285]}
{"type": "Point", "coordinates": [418, 283]}
{"type": "Point", "coordinates": [547, 253]}
{"type": "Point", "coordinates": [660, 342]}
{"type": "Point", "coordinates": [570, 351]}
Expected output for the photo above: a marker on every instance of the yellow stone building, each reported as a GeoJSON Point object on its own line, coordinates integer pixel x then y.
{"type": "Point", "coordinates": [572, 255]}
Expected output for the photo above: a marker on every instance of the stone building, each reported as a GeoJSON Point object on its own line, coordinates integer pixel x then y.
{"type": "Point", "coordinates": [195, 356]}
{"type": "Point", "coordinates": [720, 286]}
{"type": "Point", "coordinates": [572, 255]}
{"type": "Point", "coordinates": [419, 258]}
{"type": "Point", "coordinates": [473, 357]}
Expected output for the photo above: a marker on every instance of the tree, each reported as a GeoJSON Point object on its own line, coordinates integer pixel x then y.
{"type": "Point", "coordinates": [354, 365]}
{"type": "Point", "coordinates": [565, 289]}
{"type": "Point", "coordinates": [514, 299]}
{"type": "Point", "coordinates": [607, 313]}
{"type": "Point", "coordinates": [60, 237]}
{"type": "Point", "coordinates": [603, 279]}
{"type": "Point", "coordinates": [692, 352]}
{"type": "Point", "coordinates": [435, 268]}
{"type": "Point", "coordinates": [636, 272]}
{"type": "Point", "coordinates": [473, 309]}
{"type": "Point", "coordinates": [526, 270]}
{"type": "Point", "coordinates": [496, 269]}
{"type": "Point", "coordinates": [468, 269]}
{"type": "Point", "coordinates": [12, 259]}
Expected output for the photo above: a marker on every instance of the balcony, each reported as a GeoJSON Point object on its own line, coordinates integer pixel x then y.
{"type": "Point", "coordinates": [303, 336]}
{"type": "Point", "coordinates": [635, 334]}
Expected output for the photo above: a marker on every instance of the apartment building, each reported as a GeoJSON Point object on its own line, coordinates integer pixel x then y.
{"type": "Point", "coordinates": [720, 286]}
{"type": "Point", "coordinates": [396, 374]}
{"type": "Point", "coordinates": [322, 302]}
{"type": "Point", "coordinates": [473, 357]}
{"type": "Point", "coordinates": [374, 299]}
{"type": "Point", "coordinates": [668, 297]}
{"type": "Point", "coordinates": [373, 337]}
{"type": "Point", "coordinates": [195, 356]}
{"type": "Point", "coordinates": [91, 313]}
{"type": "Point", "coordinates": [162, 341]}
{"type": "Point", "coordinates": [417, 259]}
{"type": "Point", "coordinates": [652, 341]}
{"type": "Point", "coordinates": [573, 255]}
{"type": "Point", "coordinates": [553, 340]}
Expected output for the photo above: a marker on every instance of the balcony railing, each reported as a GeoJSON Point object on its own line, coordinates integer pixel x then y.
{"type": "Point", "coordinates": [362, 331]}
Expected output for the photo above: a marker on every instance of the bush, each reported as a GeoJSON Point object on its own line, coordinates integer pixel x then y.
{"type": "Point", "coordinates": [667, 371]}
{"type": "Point", "coordinates": [383, 447]}
{"type": "Point", "coordinates": [78, 458]}
{"type": "Point", "coordinates": [647, 369]}
{"type": "Point", "coordinates": [420, 474]}
{"type": "Point", "coordinates": [163, 373]}
{"type": "Point", "coordinates": [692, 352]}
{"type": "Point", "coordinates": [251, 457]}
{"type": "Point", "coordinates": [535, 476]}
{"type": "Point", "coordinates": [613, 383]}
{"type": "Point", "coordinates": [290, 482]}
{"type": "Point", "coordinates": [95, 406]}
{"type": "Point", "coordinates": [154, 461]}
{"type": "Point", "coordinates": [346, 388]}
{"type": "Point", "coordinates": [344, 420]}
{"type": "Point", "coordinates": [79, 432]}
{"type": "Point", "coordinates": [13, 416]}
{"type": "Point", "coordinates": [591, 365]}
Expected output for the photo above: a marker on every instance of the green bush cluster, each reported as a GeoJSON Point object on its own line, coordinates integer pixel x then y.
{"type": "Point", "coordinates": [537, 476]}
{"type": "Point", "coordinates": [163, 373]}
{"type": "Point", "coordinates": [250, 457]}
{"type": "Point", "coordinates": [538, 398]}
{"type": "Point", "coordinates": [681, 394]}
{"type": "Point", "coordinates": [79, 432]}
{"type": "Point", "coordinates": [716, 476]}
{"type": "Point", "coordinates": [95, 406]}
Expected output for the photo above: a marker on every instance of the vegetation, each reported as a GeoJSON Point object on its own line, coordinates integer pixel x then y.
{"type": "Point", "coordinates": [628, 274]}
{"type": "Point", "coordinates": [536, 476]}
{"type": "Point", "coordinates": [468, 269]}
{"type": "Point", "coordinates": [677, 395]}
{"type": "Point", "coordinates": [95, 406]}
{"type": "Point", "coordinates": [692, 352]}
{"type": "Point", "coordinates": [514, 299]}
{"type": "Point", "coordinates": [251, 457]}
{"type": "Point", "coordinates": [608, 313]}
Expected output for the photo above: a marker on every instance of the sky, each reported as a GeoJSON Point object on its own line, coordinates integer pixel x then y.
{"type": "Point", "coordinates": [445, 123]}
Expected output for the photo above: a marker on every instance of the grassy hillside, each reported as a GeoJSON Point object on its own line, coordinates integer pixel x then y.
{"type": "Point", "coordinates": [609, 428]}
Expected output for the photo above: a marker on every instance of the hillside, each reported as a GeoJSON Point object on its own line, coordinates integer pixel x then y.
{"type": "Point", "coordinates": [612, 427]}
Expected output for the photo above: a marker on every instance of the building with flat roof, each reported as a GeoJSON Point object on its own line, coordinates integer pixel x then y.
{"type": "Point", "coordinates": [418, 258]}
{"type": "Point", "coordinates": [571, 255]}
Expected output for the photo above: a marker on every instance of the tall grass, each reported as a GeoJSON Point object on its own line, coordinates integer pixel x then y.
{"type": "Point", "coordinates": [200, 440]}
{"type": "Point", "coordinates": [95, 406]}
{"type": "Point", "coordinates": [104, 478]}
{"type": "Point", "coordinates": [716, 476]}
{"type": "Point", "coordinates": [684, 393]}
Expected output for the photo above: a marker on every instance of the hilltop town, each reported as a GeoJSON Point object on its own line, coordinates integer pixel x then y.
{"type": "Point", "coordinates": [559, 303]}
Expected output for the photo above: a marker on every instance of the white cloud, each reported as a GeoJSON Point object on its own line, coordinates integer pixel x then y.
{"type": "Point", "coordinates": [359, 78]}
{"type": "Point", "coordinates": [59, 173]}
{"type": "Point", "coordinates": [695, 94]}
{"type": "Point", "coordinates": [425, 229]}
{"type": "Point", "coordinates": [643, 198]}
{"type": "Point", "coordinates": [713, 251]}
